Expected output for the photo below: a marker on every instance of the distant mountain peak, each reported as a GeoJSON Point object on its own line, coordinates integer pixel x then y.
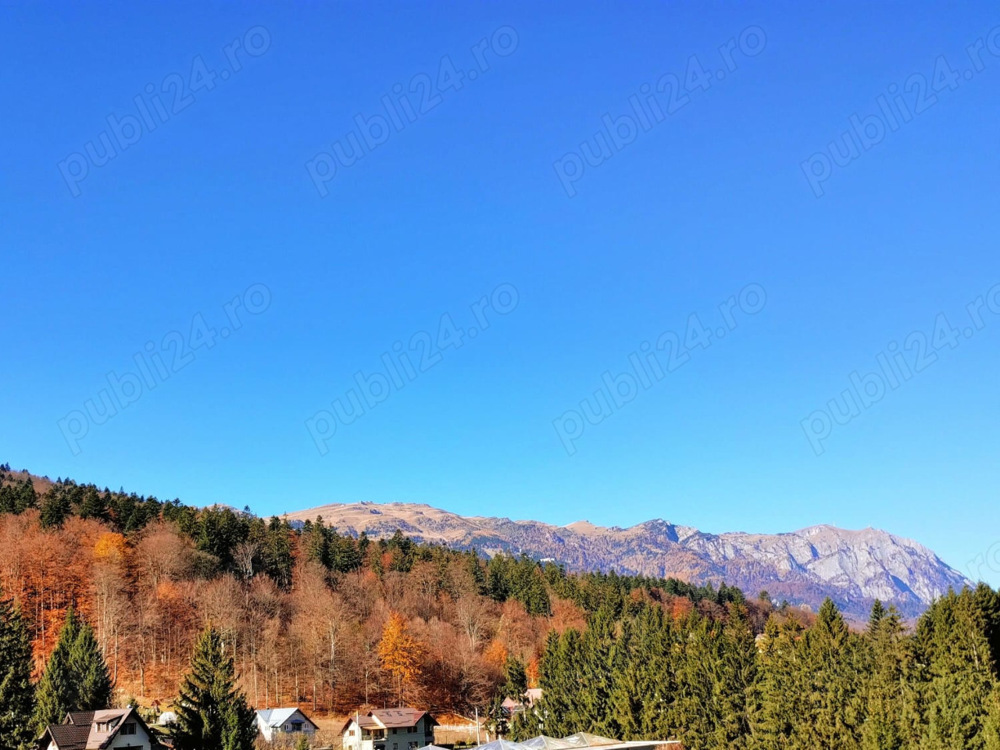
{"type": "Point", "coordinates": [852, 567]}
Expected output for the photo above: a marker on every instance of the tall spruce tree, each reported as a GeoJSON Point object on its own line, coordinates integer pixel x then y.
{"type": "Point", "coordinates": [94, 688]}
{"type": "Point", "coordinates": [884, 681]}
{"type": "Point", "coordinates": [56, 694]}
{"type": "Point", "coordinates": [627, 697]}
{"type": "Point", "coordinates": [829, 654]}
{"type": "Point", "coordinates": [211, 711]}
{"type": "Point", "coordinates": [560, 707]}
{"type": "Point", "coordinates": [595, 675]}
{"type": "Point", "coordinates": [17, 694]}
{"type": "Point", "coordinates": [735, 682]}
{"type": "Point", "coordinates": [515, 683]}
{"type": "Point", "coordinates": [76, 676]}
{"type": "Point", "coordinates": [782, 686]}
{"type": "Point", "coordinates": [958, 697]}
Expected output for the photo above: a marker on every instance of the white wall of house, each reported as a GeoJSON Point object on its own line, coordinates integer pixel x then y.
{"type": "Point", "coordinates": [293, 725]}
{"type": "Point", "coordinates": [138, 741]}
{"type": "Point", "coordinates": [356, 738]}
{"type": "Point", "coordinates": [410, 738]}
{"type": "Point", "coordinates": [391, 738]}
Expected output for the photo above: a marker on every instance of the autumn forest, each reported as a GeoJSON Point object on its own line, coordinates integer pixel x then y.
{"type": "Point", "coordinates": [302, 615]}
{"type": "Point", "coordinates": [304, 609]}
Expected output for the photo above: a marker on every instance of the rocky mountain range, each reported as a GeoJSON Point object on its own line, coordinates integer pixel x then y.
{"type": "Point", "coordinates": [804, 567]}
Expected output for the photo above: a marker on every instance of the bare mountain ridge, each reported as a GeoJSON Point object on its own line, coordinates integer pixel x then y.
{"type": "Point", "coordinates": [851, 567]}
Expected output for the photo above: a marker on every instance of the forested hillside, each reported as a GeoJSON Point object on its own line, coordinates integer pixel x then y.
{"type": "Point", "coordinates": [312, 616]}
{"type": "Point", "coordinates": [332, 622]}
{"type": "Point", "coordinates": [717, 684]}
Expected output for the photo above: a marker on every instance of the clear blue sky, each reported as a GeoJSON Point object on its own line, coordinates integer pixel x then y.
{"type": "Point", "coordinates": [248, 178]}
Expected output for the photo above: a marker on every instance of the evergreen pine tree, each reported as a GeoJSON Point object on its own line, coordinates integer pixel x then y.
{"type": "Point", "coordinates": [94, 687]}
{"type": "Point", "coordinates": [783, 687]}
{"type": "Point", "coordinates": [93, 505]}
{"type": "Point", "coordinates": [316, 542]}
{"type": "Point", "coordinates": [657, 673]}
{"type": "Point", "coordinates": [56, 506]}
{"type": "Point", "coordinates": [627, 698]}
{"type": "Point", "coordinates": [878, 613]}
{"type": "Point", "coordinates": [17, 694]}
{"type": "Point", "coordinates": [56, 693]}
{"type": "Point", "coordinates": [211, 712]}
{"type": "Point", "coordinates": [883, 690]}
{"type": "Point", "coordinates": [736, 682]}
{"type": "Point", "coordinates": [16, 497]}
{"type": "Point", "coordinates": [515, 679]}
{"type": "Point", "coordinates": [962, 678]}
{"type": "Point", "coordinates": [694, 713]}
{"type": "Point", "coordinates": [595, 675]}
{"type": "Point", "coordinates": [560, 683]}
{"type": "Point", "coordinates": [829, 654]}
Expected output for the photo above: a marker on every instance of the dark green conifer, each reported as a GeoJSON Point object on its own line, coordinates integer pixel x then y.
{"type": "Point", "coordinates": [56, 694]}
{"type": "Point", "coordinates": [17, 694]}
{"type": "Point", "coordinates": [515, 679]}
{"type": "Point", "coordinates": [94, 688]}
{"type": "Point", "coordinates": [829, 656]}
{"type": "Point", "coordinates": [56, 507]}
{"type": "Point", "coordinates": [211, 711]}
{"type": "Point", "coordinates": [883, 677]}
{"type": "Point", "coordinates": [594, 712]}
{"type": "Point", "coordinates": [961, 672]}
{"type": "Point", "coordinates": [783, 687]}
{"type": "Point", "coordinates": [93, 505]}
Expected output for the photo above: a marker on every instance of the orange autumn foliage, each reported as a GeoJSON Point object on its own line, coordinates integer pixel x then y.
{"type": "Point", "coordinates": [398, 650]}
{"type": "Point", "coordinates": [110, 548]}
{"type": "Point", "coordinates": [495, 655]}
{"type": "Point", "coordinates": [533, 671]}
{"type": "Point", "coordinates": [680, 607]}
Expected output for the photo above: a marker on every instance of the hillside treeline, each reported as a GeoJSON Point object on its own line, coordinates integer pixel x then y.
{"type": "Point", "coordinates": [310, 616]}
{"type": "Point", "coordinates": [716, 683]}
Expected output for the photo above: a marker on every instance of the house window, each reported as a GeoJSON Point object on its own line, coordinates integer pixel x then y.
{"type": "Point", "coordinates": [128, 728]}
{"type": "Point", "coordinates": [295, 726]}
{"type": "Point", "coordinates": [351, 733]}
{"type": "Point", "coordinates": [395, 746]}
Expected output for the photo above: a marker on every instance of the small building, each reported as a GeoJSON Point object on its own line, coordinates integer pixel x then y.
{"type": "Point", "coordinates": [118, 728]}
{"type": "Point", "coordinates": [389, 729]}
{"type": "Point", "coordinates": [276, 723]}
{"type": "Point", "coordinates": [513, 707]}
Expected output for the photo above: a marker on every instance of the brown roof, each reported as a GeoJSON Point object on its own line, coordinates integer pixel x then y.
{"type": "Point", "coordinates": [68, 736]}
{"type": "Point", "coordinates": [79, 730]}
{"type": "Point", "coordinates": [392, 718]}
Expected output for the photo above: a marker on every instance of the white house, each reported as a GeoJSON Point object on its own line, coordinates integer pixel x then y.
{"type": "Point", "coordinates": [113, 729]}
{"type": "Point", "coordinates": [274, 723]}
{"type": "Point", "coordinates": [389, 729]}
